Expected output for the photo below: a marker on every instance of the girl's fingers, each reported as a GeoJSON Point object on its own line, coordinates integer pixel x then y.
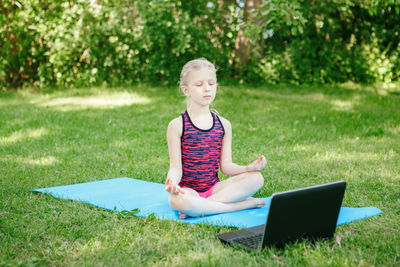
{"type": "Point", "coordinates": [174, 189]}
{"type": "Point", "coordinates": [167, 186]}
{"type": "Point", "coordinates": [260, 163]}
{"type": "Point", "coordinates": [181, 191]}
{"type": "Point", "coordinates": [178, 190]}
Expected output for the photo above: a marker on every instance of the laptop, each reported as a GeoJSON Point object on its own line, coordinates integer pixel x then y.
{"type": "Point", "coordinates": [309, 213]}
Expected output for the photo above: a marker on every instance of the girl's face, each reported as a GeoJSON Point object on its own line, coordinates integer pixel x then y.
{"type": "Point", "coordinates": [201, 86]}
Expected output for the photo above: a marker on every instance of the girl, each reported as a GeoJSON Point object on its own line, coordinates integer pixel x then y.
{"type": "Point", "coordinates": [199, 142]}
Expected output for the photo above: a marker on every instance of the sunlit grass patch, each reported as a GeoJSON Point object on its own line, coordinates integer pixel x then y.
{"type": "Point", "coordinates": [347, 156]}
{"type": "Point", "coordinates": [101, 101]}
{"type": "Point", "coordinates": [41, 161]}
{"type": "Point", "coordinates": [343, 105]}
{"type": "Point", "coordinates": [24, 135]}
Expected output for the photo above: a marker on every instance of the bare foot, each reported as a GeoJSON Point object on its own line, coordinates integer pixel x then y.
{"type": "Point", "coordinates": [182, 215]}
{"type": "Point", "coordinates": [256, 202]}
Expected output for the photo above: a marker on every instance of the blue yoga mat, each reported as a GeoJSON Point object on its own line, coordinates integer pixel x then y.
{"type": "Point", "coordinates": [121, 194]}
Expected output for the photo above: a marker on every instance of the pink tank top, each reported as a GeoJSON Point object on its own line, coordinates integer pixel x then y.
{"type": "Point", "coordinates": [201, 152]}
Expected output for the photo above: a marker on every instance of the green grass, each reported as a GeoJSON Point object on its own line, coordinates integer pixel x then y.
{"type": "Point", "coordinates": [309, 136]}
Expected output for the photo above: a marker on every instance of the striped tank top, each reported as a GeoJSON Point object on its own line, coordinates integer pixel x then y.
{"type": "Point", "coordinates": [201, 152]}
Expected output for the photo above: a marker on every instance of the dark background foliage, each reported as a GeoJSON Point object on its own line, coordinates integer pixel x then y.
{"type": "Point", "coordinates": [104, 42]}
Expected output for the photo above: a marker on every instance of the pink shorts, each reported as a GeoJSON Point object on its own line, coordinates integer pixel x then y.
{"type": "Point", "coordinates": [207, 193]}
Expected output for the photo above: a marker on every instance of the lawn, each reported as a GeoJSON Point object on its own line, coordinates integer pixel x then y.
{"type": "Point", "coordinates": [309, 136]}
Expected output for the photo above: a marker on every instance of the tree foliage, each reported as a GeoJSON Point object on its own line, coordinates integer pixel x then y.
{"type": "Point", "coordinates": [93, 42]}
{"type": "Point", "coordinates": [86, 42]}
{"type": "Point", "coordinates": [329, 41]}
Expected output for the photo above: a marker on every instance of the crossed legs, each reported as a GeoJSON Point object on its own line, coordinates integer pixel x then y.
{"type": "Point", "coordinates": [229, 195]}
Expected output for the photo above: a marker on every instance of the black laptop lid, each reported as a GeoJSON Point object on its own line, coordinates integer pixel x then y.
{"type": "Point", "coordinates": [310, 213]}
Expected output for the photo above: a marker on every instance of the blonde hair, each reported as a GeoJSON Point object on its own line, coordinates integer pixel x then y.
{"type": "Point", "coordinates": [194, 64]}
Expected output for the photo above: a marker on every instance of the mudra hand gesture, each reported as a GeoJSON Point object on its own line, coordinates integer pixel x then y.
{"type": "Point", "coordinates": [173, 188]}
{"type": "Point", "coordinates": [258, 164]}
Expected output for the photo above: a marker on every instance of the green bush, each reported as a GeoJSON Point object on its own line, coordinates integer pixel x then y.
{"type": "Point", "coordinates": [174, 32]}
{"type": "Point", "coordinates": [21, 49]}
{"type": "Point", "coordinates": [85, 42]}
{"type": "Point", "coordinates": [341, 41]}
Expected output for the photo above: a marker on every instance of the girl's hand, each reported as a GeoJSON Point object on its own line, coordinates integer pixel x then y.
{"type": "Point", "coordinates": [173, 188]}
{"type": "Point", "coordinates": [258, 164]}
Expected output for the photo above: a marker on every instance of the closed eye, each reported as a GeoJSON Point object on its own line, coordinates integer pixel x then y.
{"type": "Point", "coordinates": [210, 82]}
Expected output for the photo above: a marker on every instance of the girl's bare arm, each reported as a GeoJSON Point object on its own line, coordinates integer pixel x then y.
{"type": "Point", "coordinates": [174, 175]}
{"type": "Point", "coordinates": [227, 166]}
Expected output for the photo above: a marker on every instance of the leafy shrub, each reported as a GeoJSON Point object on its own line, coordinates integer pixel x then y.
{"type": "Point", "coordinates": [84, 42]}
{"type": "Point", "coordinates": [341, 41]}
{"type": "Point", "coordinates": [92, 42]}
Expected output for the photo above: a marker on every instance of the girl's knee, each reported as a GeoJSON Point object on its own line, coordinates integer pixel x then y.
{"type": "Point", "coordinates": [257, 179]}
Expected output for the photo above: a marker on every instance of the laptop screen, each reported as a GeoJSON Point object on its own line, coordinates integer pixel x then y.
{"type": "Point", "coordinates": [309, 213]}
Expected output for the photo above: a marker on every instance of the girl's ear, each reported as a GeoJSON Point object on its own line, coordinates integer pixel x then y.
{"type": "Point", "coordinates": [185, 90]}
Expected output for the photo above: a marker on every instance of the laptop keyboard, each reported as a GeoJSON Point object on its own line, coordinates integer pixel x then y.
{"type": "Point", "coordinates": [249, 241]}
